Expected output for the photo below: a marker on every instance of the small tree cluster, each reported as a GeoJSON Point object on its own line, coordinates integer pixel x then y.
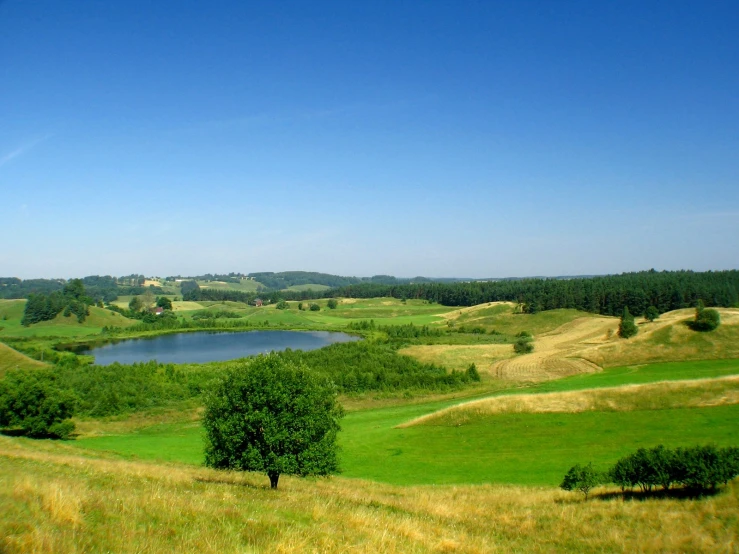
{"type": "Point", "coordinates": [72, 299]}
{"type": "Point", "coordinates": [651, 313]}
{"type": "Point", "coordinates": [282, 305]}
{"type": "Point", "coordinates": [472, 373]}
{"type": "Point", "coordinates": [30, 402]}
{"type": "Point", "coordinates": [706, 319]}
{"type": "Point", "coordinates": [314, 307]}
{"type": "Point", "coordinates": [524, 343]}
{"type": "Point", "coordinates": [627, 328]}
{"type": "Point", "coordinates": [697, 468]}
{"type": "Point", "coordinates": [332, 303]}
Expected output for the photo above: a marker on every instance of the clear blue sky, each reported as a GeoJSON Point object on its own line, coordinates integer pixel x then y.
{"type": "Point", "coordinates": [456, 138]}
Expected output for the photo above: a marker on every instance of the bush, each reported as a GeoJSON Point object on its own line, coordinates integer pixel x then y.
{"type": "Point", "coordinates": [33, 403]}
{"type": "Point", "coordinates": [627, 328]}
{"type": "Point", "coordinates": [332, 303]}
{"type": "Point", "coordinates": [472, 373]}
{"type": "Point", "coordinates": [282, 305]}
{"type": "Point", "coordinates": [651, 313]}
{"type": "Point", "coordinates": [581, 478]}
{"type": "Point", "coordinates": [523, 345]}
{"type": "Point", "coordinates": [314, 307]}
{"type": "Point", "coordinates": [706, 319]}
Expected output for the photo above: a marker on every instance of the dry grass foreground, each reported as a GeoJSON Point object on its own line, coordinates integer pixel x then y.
{"type": "Point", "coordinates": [56, 501]}
{"type": "Point", "coordinates": [662, 395]}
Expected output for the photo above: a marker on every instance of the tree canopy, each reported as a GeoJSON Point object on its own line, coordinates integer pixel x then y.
{"type": "Point", "coordinates": [274, 416]}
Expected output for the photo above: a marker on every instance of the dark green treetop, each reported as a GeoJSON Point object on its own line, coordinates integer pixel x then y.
{"type": "Point", "coordinates": [273, 416]}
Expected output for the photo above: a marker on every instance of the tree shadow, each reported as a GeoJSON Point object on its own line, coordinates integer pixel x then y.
{"type": "Point", "coordinates": [224, 481]}
{"type": "Point", "coordinates": [672, 494]}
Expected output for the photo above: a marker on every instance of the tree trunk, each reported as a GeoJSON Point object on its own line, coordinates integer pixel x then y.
{"type": "Point", "coordinates": [273, 478]}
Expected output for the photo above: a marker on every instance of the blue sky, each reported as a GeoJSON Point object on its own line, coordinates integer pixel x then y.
{"type": "Point", "coordinates": [457, 138]}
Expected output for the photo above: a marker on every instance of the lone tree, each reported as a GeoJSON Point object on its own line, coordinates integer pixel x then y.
{"type": "Point", "coordinates": [651, 313]}
{"type": "Point", "coordinates": [581, 478]}
{"type": "Point", "coordinates": [274, 416]}
{"type": "Point", "coordinates": [627, 328]}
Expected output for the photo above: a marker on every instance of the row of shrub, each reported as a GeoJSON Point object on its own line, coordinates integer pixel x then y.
{"type": "Point", "coordinates": [357, 367]}
{"type": "Point", "coordinates": [698, 468]}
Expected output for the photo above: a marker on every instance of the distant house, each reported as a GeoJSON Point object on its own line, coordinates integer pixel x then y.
{"type": "Point", "coordinates": [258, 302]}
{"type": "Point", "coordinates": [159, 311]}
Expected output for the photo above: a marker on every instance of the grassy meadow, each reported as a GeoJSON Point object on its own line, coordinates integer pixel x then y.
{"type": "Point", "coordinates": [471, 470]}
{"type": "Point", "coordinates": [55, 499]}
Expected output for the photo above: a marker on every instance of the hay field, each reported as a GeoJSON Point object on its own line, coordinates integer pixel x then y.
{"type": "Point", "coordinates": [694, 393]}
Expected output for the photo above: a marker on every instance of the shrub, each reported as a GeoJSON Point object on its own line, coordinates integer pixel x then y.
{"type": "Point", "coordinates": [282, 305]}
{"type": "Point", "coordinates": [523, 345]}
{"type": "Point", "coordinates": [314, 307]}
{"type": "Point", "coordinates": [706, 319]}
{"type": "Point", "coordinates": [332, 303]}
{"type": "Point", "coordinates": [472, 373]}
{"type": "Point", "coordinates": [651, 313]}
{"type": "Point", "coordinates": [581, 478]}
{"type": "Point", "coordinates": [32, 402]}
{"type": "Point", "coordinates": [627, 328]}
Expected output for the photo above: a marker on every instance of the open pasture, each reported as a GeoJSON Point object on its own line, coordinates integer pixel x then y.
{"type": "Point", "coordinates": [508, 447]}
{"type": "Point", "coordinates": [60, 326]}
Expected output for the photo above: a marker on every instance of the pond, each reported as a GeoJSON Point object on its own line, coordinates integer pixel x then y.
{"type": "Point", "coordinates": [204, 347]}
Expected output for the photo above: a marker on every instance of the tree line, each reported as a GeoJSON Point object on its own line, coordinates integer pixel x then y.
{"type": "Point", "coordinates": [607, 295]}
{"type": "Point", "coordinates": [99, 288]}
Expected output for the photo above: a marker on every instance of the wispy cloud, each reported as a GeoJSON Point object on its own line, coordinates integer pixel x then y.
{"type": "Point", "coordinates": [23, 149]}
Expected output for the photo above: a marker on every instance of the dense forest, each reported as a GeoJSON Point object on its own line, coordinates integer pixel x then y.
{"type": "Point", "coordinates": [607, 295]}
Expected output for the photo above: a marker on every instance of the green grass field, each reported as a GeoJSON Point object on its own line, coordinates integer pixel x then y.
{"type": "Point", "coordinates": [60, 326]}
{"type": "Point", "coordinates": [529, 449]}
{"type": "Point", "coordinates": [502, 318]}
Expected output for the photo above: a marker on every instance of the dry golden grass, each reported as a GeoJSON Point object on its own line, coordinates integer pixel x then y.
{"type": "Point", "coordinates": [460, 356]}
{"type": "Point", "coordinates": [472, 310]}
{"type": "Point", "coordinates": [555, 353]}
{"type": "Point", "coordinates": [12, 359]}
{"type": "Point", "coordinates": [53, 501]}
{"type": "Point", "coordinates": [652, 396]}
{"type": "Point", "coordinates": [667, 339]}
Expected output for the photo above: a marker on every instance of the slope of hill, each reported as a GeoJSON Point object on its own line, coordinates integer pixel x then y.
{"type": "Point", "coordinates": [12, 359]}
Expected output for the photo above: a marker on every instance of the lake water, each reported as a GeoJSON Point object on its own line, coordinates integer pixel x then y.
{"type": "Point", "coordinates": [203, 347]}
